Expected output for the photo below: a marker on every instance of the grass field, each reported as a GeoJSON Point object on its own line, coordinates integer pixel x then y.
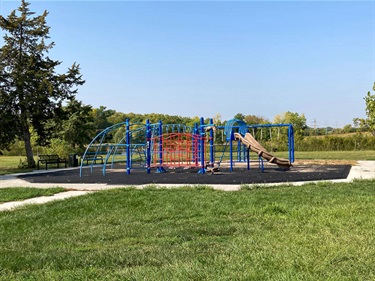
{"type": "Point", "coordinates": [312, 232]}
{"type": "Point", "coordinates": [332, 155]}
{"type": "Point", "coordinates": [21, 193]}
{"type": "Point", "coordinates": [10, 164]}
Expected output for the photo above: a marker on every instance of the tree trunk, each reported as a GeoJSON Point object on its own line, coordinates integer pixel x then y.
{"type": "Point", "coordinates": [27, 142]}
{"type": "Point", "coordinates": [29, 150]}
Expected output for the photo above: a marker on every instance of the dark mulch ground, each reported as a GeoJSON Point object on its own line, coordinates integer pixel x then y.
{"type": "Point", "coordinates": [181, 176]}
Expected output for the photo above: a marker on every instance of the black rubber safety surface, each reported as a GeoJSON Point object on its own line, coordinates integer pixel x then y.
{"type": "Point", "coordinates": [191, 176]}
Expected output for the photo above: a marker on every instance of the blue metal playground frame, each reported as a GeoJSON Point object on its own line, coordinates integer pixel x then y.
{"type": "Point", "coordinates": [137, 144]}
{"type": "Point", "coordinates": [239, 126]}
{"type": "Point", "coordinates": [98, 147]}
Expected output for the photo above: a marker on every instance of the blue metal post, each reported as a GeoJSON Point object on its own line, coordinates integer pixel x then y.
{"type": "Point", "coordinates": [291, 143]}
{"type": "Point", "coordinates": [148, 146]}
{"type": "Point", "coordinates": [128, 164]}
{"type": "Point", "coordinates": [160, 143]}
{"type": "Point", "coordinates": [261, 164]}
{"type": "Point", "coordinates": [195, 145]}
{"type": "Point", "coordinates": [202, 170]}
{"type": "Point", "coordinates": [109, 153]}
{"type": "Point", "coordinates": [231, 150]}
{"type": "Point", "coordinates": [212, 156]}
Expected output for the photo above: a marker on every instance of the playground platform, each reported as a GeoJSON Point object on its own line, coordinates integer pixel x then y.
{"type": "Point", "coordinates": [240, 176]}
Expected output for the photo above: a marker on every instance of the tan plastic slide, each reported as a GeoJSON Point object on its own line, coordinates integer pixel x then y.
{"type": "Point", "coordinates": [256, 147]}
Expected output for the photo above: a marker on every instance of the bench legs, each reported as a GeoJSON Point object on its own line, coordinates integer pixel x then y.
{"type": "Point", "coordinates": [58, 164]}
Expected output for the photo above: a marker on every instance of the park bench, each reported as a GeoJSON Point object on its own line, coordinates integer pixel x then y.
{"type": "Point", "coordinates": [92, 158]}
{"type": "Point", "coordinates": [51, 159]}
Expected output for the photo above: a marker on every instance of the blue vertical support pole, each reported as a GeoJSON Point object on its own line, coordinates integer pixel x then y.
{"type": "Point", "coordinates": [231, 150]}
{"type": "Point", "coordinates": [202, 170]}
{"type": "Point", "coordinates": [212, 156]}
{"type": "Point", "coordinates": [195, 145]}
{"type": "Point", "coordinates": [261, 164]}
{"type": "Point", "coordinates": [128, 163]}
{"type": "Point", "coordinates": [291, 143]}
{"type": "Point", "coordinates": [160, 144]}
{"type": "Point", "coordinates": [148, 146]}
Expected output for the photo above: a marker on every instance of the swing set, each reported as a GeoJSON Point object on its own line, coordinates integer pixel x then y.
{"type": "Point", "coordinates": [234, 131]}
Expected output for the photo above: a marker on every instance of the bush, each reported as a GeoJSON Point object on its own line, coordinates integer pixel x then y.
{"type": "Point", "coordinates": [356, 141]}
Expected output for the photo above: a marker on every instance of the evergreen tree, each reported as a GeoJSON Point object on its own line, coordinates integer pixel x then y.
{"type": "Point", "coordinates": [31, 93]}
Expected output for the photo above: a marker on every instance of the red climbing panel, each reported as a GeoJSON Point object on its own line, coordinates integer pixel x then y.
{"type": "Point", "coordinates": [178, 149]}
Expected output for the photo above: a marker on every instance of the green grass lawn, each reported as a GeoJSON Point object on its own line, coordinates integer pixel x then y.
{"type": "Point", "coordinates": [10, 165]}
{"type": "Point", "coordinates": [313, 232]}
{"type": "Point", "coordinates": [332, 155]}
{"type": "Point", "coordinates": [21, 193]}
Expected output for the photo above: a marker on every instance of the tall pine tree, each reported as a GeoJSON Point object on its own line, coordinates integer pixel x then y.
{"type": "Point", "coordinates": [31, 92]}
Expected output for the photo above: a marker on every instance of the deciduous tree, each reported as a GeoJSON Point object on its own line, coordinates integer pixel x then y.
{"type": "Point", "coordinates": [239, 116]}
{"type": "Point", "coordinates": [78, 125]}
{"type": "Point", "coordinates": [298, 121]}
{"type": "Point", "coordinates": [368, 124]}
{"type": "Point", "coordinates": [101, 117]}
{"type": "Point", "coordinates": [253, 119]}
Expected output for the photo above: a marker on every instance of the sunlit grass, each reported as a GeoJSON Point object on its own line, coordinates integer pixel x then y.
{"type": "Point", "coordinates": [313, 232]}
{"type": "Point", "coordinates": [11, 164]}
{"type": "Point", "coordinates": [332, 155]}
{"type": "Point", "coordinates": [21, 193]}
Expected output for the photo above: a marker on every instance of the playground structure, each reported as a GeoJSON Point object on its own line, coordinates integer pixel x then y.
{"type": "Point", "coordinates": [163, 146]}
{"type": "Point", "coordinates": [238, 130]}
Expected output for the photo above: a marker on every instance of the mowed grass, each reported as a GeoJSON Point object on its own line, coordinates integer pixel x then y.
{"type": "Point", "coordinates": [21, 193]}
{"type": "Point", "coordinates": [331, 155]}
{"type": "Point", "coordinates": [10, 165]}
{"type": "Point", "coordinates": [313, 232]}
{"type": "Point", "coordinates": [337, 155]}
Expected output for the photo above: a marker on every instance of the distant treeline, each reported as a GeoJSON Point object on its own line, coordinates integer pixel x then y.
{"type": "Point", "coordinates": [84, 122]}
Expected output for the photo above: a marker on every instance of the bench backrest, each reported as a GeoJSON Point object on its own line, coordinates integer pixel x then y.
{"type": "Point", "coordinates": [49, 156]}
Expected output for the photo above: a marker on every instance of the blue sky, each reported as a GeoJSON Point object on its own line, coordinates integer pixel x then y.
{"type": "Point", "coordinates": [201, 58]}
